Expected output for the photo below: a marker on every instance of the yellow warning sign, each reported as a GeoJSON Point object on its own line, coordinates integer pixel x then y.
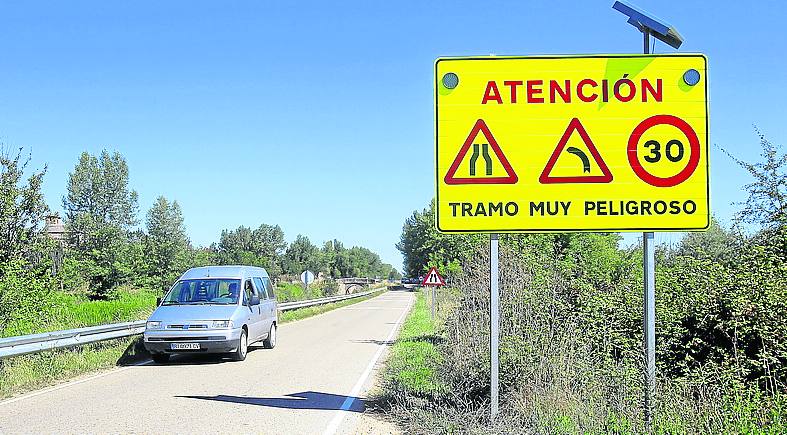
{"type": "Point", "coordinates": [572, 143]}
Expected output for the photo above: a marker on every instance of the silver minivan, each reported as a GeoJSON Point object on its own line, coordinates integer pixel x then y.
{"type": "Point", "coordinates": [214, 309]}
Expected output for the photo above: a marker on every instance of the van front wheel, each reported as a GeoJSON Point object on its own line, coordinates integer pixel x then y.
{"type": "Point", "coordinates": [270, 342]}
{"type": "Point", "coordinates": [243, 347]}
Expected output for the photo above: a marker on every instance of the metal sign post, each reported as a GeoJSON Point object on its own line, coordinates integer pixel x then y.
{"type": "Point", "coordinates": [649, 308]}
{"type": "Point", "coordinates": [494, 322]}
{"type": "Point", "coordinates": [649, 322]}
{"type": "Point", "coordinates": [434, 301]}
{"type": "Point", "coordinates": [434, 280]}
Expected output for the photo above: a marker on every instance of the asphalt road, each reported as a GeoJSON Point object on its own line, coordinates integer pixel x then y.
{"type": "Point", "coordinates": [313, 382]}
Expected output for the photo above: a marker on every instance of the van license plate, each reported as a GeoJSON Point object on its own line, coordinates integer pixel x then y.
{"type": "Point", "coordinates": [180, 346]}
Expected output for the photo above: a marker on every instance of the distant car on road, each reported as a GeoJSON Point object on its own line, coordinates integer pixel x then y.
{"type": "Point", "coordinates": [214, 309]}
{"type": "Point", "coordinates": [411, 281]}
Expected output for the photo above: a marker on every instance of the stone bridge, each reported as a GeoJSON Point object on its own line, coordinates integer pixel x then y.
{"type": "Point", "coordinates": [352, 285]}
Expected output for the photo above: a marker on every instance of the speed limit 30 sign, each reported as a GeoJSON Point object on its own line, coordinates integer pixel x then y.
{"type": "Point", "coordinates": [572, 143]}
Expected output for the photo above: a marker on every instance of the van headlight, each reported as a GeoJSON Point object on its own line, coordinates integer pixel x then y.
{"type": "Point", "coordinates": [222, 324]}
{"type": "Point", "coordinates": [153, 324]}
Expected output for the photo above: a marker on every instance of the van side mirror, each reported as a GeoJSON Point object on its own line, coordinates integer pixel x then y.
{"type": "Point", "coordinates": [158, 301]}
{"type": "Point", "coordinates": [255, 300]}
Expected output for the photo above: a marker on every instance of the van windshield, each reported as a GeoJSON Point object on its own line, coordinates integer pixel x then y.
{"type": "Point", "coordinates": [204, 291]}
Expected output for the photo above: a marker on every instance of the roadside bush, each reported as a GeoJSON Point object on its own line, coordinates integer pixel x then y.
{"type": "Point", "coordinates": [288, 292]}
{"type": "Point", "coordinates": [328, 287]}
{"type": "Point", "coordinates": [727, 316]}
{"type": "Point", "coordinates": [23, 295]}
{"type": "Point", "coordinates": [571, 342]}
{"type": "Point", "coordinates": [71, 276]}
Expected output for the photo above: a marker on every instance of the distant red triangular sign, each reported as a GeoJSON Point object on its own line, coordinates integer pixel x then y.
{"type": "Point", "coordinates": [575, 125]}
{"type": "Point", "coordinates": [480, 127]}
{"type": "Point", "coordinates": [433, 278]}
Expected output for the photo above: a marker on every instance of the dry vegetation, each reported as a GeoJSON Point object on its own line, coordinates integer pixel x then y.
{"type": "Point", "coordinates": [571, 356]}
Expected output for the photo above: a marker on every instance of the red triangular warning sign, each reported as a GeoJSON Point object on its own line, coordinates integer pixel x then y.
{"type": "Point", "coordinates": [480, 127]}
{"type": "Point", "coordinates": [433, 278]}
{"type": "Point", "coordinates": [575, 125]}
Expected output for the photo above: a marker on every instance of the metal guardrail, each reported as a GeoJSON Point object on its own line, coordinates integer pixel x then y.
{"type": "Point", "coordinates": [287, 306]}
{"type": "Point", "coordinates": [25, 344]}
{"type": "Point", "coordinates": [34, 343]}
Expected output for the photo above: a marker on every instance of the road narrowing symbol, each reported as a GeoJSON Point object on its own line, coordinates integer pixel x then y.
{"type": "Point", "coordinates": [576, 127]}
{"type": "Point", "coordinates": [572, 143]}
{"type": "Point", "coordinates": [481, 139]}
{"type": "Point", "coordinates": [433, 278]}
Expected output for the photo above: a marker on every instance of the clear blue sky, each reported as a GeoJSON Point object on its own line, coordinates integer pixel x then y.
{"type": "Point", "coordinates": [319, 116]}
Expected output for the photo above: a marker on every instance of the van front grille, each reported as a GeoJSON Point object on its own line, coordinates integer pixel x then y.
{"type": "Point", "coordinates": [198, 326]}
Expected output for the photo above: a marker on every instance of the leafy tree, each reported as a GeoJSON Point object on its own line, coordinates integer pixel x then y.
{"type": "Point", "coordinates": [767, 202]}
{"type": "Point", "coordinates": [24, 277]}
{"type": "Point", "coordinates": [423, 246]}
{"type": "Point", "coordinates": [334, 258]}
{"type": "Point", "coordinates": [100, 213]}
{"type": "Point", "coordinates": [272, 240]}
{"type": "Point", "coordinates": [717, 243]}
{"type": "Point", "coordinates": [201, 257]}
{"type": "Point", "coordinates": [23, 293]}
{"type": "Point", "coordinates": [98, 190]}
{"type": "Point", "coordinates": [362, 263]}
{"type": "Point", "coordinates": [302, 255]}
{"type": "Point", "coordinates": [328, 258]}
{"type": "Point", "coordinates": [166, 243]}
{"type": "Point", "coordinates": [394, 275]}
{"type": "Point", "coordinates": [22, 209]}
{"type": "Point", "coordinates": [261, 247]}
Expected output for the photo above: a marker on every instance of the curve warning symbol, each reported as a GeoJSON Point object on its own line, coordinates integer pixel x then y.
{"type": "Point", "coordinates": [584, 167]}
{"type": "Point", "coordinates": [480, 167]}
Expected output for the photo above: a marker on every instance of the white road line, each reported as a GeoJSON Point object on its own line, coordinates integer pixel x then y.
{"type": "Point", "coordinates": [71, 383]}
{"type": "Point", "coordinates": [373, 308]}
{"type": "Point", "coordinates": [336, 421]}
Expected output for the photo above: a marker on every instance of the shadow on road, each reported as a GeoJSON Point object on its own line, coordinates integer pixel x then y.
{"type": "Point", "coordinates": [304, 400]}
{"type": "Point", "coordinates": [428, 338]}
{"type": "Point", "coordinates": [135, 353]}
{"type": "Point", "coordinates": [431, 338]}
{"type": "Point", "coordinates": [377, 342]}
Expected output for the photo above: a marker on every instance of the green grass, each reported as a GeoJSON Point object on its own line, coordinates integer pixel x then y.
{"type": "Point", "coordinates": [302, 313]}
{"type": "Point", "coordinates": [414, 358]}
{"type": "Point", "coordinates": [30, 372]}
{"type": "Point", "coordinates": [67, 311]}
{"type": "Point", "coordinates": [287, 292]}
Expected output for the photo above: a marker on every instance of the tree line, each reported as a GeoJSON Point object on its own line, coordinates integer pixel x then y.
{"type": "Point", "coordinates": [106, 246]}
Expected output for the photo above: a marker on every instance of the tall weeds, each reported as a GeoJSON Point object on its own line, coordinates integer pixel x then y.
{"type": "Point", "coordinates": [570, 353]}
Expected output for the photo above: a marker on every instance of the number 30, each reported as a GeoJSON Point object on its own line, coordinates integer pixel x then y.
{"type": "Point", "coordinates": [655, 151]}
